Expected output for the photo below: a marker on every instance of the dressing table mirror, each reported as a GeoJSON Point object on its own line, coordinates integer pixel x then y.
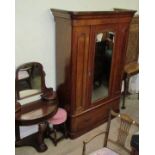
{"type": "Point", "coordinates": [30, 83]}
{"type": "Point", "coordinates": [35, 104]}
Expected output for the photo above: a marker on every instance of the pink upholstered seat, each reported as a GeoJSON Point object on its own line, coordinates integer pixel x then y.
{"type": "Point", "coordinates": [104, 151]}
{"type": "Point", "coordinates": [59, 117]}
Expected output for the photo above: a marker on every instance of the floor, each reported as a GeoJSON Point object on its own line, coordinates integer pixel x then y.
{"type": "Point", "coordinates": [74, 147]}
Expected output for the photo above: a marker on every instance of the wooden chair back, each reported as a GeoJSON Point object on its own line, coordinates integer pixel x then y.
{"type": "Point", "coordinates": [125, 124]}
{"type": "Point", "coordinates": [124, 127]}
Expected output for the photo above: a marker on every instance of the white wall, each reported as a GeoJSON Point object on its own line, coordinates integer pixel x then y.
{"type": "Point", "coordinates": [34, 33]}
{"type": "Point", "coordinates": [34, 28]}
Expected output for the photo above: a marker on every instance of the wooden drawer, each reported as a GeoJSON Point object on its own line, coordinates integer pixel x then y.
{"type": "Point", "coordinates": [91, 119]}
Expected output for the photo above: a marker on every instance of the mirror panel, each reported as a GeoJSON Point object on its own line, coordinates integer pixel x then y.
{"type": "Point", "coordinates": [102, 65]}
{"type": "Point", "coordinates": [29, 80]}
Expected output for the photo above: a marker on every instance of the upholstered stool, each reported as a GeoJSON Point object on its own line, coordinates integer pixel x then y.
{"type": "Point", "coordinates": [129, 70]}
{"type": "Point", "coordinates": [104, 151]}
{"type": "Point", "coordinates": [58, 121]}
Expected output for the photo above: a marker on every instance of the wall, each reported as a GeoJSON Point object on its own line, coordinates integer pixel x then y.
{"type": "Point", "coordinates": [34, 28]}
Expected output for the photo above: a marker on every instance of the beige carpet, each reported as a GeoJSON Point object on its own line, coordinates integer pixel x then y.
{"type": "Point", "coordinates": [74, 147]}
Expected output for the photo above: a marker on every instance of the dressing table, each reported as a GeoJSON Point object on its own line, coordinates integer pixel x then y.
{"type": "Point", "coordinates": [35, 103]}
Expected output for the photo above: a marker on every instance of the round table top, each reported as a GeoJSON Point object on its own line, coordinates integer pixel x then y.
{"type": "Point", "coordinates": [35, 112]}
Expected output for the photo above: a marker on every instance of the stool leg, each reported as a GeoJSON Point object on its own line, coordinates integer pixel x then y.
{"type": "Point", "coordinates": [48, 131]}
{"type": "Point", "coordinates": [55, 136]}
{"type": "Point", "coordinates": [65, 131]}
{"type": "Point", "coordinates": [126, 86]}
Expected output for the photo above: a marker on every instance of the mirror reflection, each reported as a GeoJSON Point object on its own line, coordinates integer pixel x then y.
{"type": "Point", "coordinates": [28, 80]}
{"type": "Point", "coordinates": [102, 65]}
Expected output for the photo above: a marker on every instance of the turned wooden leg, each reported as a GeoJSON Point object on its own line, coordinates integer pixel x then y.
{"type": "Point", "coordinates": [55, 136]}
{"type": "Point", "coordinates": [65, 131]}
{"type": "Point", "coordinates": [126, 86]}
{"type": "Point", "coordinates": [40, 137]}
{"type": "Point", "coordinates": [48, 131]}
{"type": "Point", "coordinates": [35, 140]}
{"type": "Point", "coordinates": [17, 133]}
{"type": "Point", "coordinates": [84, 148]}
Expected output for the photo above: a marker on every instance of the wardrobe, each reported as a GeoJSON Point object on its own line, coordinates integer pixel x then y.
{"type": "Point", "coordinates": [90, 55]}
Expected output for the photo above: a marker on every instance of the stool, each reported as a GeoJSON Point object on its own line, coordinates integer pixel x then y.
{"type": "Point", "coordinates": [129, 70]}
{"type": "Point", "coordinates": [59, 124]}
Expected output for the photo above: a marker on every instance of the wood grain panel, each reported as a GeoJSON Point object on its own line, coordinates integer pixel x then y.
{"type": "Point", "coordinates": [133, 42]}
{"type": "Point", "coordinates": [121, 44]}
{"type": "Point", "coordinates": [91, 119]}
{"type": "Point", "coordinates": [80, 49]}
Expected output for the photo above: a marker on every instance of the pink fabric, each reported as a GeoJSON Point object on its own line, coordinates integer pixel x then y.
{"type": "Point", "coordinates": [104, 151]}
{"type": "Point", "coordinates": [59, 117]}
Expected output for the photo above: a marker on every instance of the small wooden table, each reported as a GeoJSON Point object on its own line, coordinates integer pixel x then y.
{"type": "Point", "coordinates": [129, 70]}
{"type": "Point", "coordinates": [34, 113]}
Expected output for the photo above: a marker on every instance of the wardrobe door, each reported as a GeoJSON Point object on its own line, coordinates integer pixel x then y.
{"type": "Point", "coordinates": [80, 52]}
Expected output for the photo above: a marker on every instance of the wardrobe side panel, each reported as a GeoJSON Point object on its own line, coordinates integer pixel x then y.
{"type": "Point", "coordinates": [63, 49]}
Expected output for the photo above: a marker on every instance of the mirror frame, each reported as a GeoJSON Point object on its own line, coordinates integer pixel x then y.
{"type": "Point", "coordinates": [42, 74]}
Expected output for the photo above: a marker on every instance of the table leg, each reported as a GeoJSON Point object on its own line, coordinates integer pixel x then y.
{"type": "Point", "coordinates": [17, 133]}
{"type": "Point", "coordinates": [35, 140]}
{"type": "Point", "coordinates": [126, 87]}
{"type": "Point", "coordinates": [40, 137]}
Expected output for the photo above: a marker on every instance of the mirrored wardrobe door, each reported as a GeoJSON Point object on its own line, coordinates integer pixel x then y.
{"type": "Point", "coordinates": [104, 42]}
